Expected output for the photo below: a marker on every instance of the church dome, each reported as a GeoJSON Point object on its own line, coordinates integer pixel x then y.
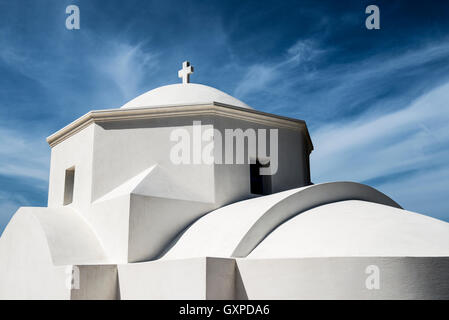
{"type": "Point", "coordinates": [354, 229]}
{"type": "Point", "coordinates": [338, 219]}
{"type": "Point", "coordinates": [182, 94]}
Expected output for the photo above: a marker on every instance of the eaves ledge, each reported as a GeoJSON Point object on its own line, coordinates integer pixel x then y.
{"type": "Point", "coordinates": [213, 108]}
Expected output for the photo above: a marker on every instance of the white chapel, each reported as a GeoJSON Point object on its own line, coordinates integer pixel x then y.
{"type": "Point", "coordinates": [125, 221]}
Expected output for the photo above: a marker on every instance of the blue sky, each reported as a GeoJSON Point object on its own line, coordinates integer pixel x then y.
{"type": "Point", "coordinates": [375, 101]}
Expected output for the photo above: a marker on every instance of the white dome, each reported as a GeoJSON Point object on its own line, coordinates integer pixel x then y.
{"type": "Point", "coordinates": [219, 232]}
{"type": "Point", "coordinates": [356, 228]}
{"type": "Point", "coordinates": [182, 94]}
{"type": "Point", "coordinates": [339, 219]}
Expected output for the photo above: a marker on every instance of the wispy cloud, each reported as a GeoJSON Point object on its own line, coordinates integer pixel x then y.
{"type": "Point", "coordinates": [24, 169]}
{"type": "Point", "coordinates": [424, 191]}
{"type": "Point", "coordinates": [386, 81]}
{"type": "Point", "coordinates": [8, 207]}
{"type": "Point", "coordinates": [312, 82]}
{"type": "Point", "coordinates": [22, 156]}
{"type": "Point", "coordinates": [260, 77]}
{"type": "Point", "coordinates": [126, 65]}
{"type": "Point", "coordinates": [256, 78]}
{"type": "Point", "coordinates": [382, 149]}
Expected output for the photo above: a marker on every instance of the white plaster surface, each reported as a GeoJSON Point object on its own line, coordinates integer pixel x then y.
{"type": "Point", "coordinates": [68, 238]}
{"type": "Point", "coordinates": [218, 233]}
{"type": "Point", "coordinates": [196, 279]}
{"type": "Point", "coordinates": [27, 255]}
{"type": "Point", "coordinates": [96, 282]}
{"type": "Point", "coordinates": [236, 229]}
{"type": "Point", "coordinates": [182, 94]}
{"type": "Point", "coordinates": [163, 280]}
{"type": "Point", "coordinates": [76, 151]}
{"type": "Point", "coordinates": [343, 278]}
{"type": "Point", "coordinates": [110, 220]}
{"type": "Point", "coordinates": [356, 228]}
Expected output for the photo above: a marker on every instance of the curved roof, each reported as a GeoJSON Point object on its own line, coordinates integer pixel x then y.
{"type": "Point", "coordinates": [237, 229]}
{"type": "Point", "coordinates": [356, 228]}
{"type": "Point", "coordinates": [59, 233]}
{"type": "Point", "coordinates": [306, 199]}
{"type": "Point", "coordinates": [182, 94]}
{"type": "Point", "coordinates": [219, 232]}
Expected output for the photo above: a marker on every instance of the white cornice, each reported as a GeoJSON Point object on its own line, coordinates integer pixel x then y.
{"type": "Point", "coordinates": [214, 108]}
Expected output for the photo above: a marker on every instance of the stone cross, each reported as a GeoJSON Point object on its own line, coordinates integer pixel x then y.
{"type": "Point", "coordinates": [185, 72]}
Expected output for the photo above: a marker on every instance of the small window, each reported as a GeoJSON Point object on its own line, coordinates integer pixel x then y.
{"type": "Point", "coordinates": [69, 185]}
{"type": "Point", "coordinates": [260, 184]}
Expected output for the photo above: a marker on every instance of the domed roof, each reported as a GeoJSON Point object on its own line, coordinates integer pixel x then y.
{"type": "Point", "coordinates": [356, 228]}
{"type": "Point", "coordinates": [182, 94]}
{"type": "Point", "coordinates": [339, 219]}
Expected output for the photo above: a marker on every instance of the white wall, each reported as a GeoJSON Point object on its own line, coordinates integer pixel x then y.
{"type": "Point", "coordinates": [124, 149]}
{"type": "Point", "coordinates": [344, 278]}
{"type": "Point", "coordinates": [96, 282]}
{"type": "Point", "coordinates": [155, 222]}
{"type": "Point", "coordinates": [176, 279]}
{"type": "Point", "coordinates": [110, 220]}
{"type": "Point", "coordinates": [139, 227]}
{"type": "Point", "coordinates": [232, 182]}
{"type": "Point", "coordinates": [75, 151]}
{"type": "Point", "coordinates": [190, 279]}
{"type": "Point", "coordinates": [26, 267]}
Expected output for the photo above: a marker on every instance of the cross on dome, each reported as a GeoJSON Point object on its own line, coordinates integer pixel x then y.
{"type": "Point", "coordinates": [185, 72]}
